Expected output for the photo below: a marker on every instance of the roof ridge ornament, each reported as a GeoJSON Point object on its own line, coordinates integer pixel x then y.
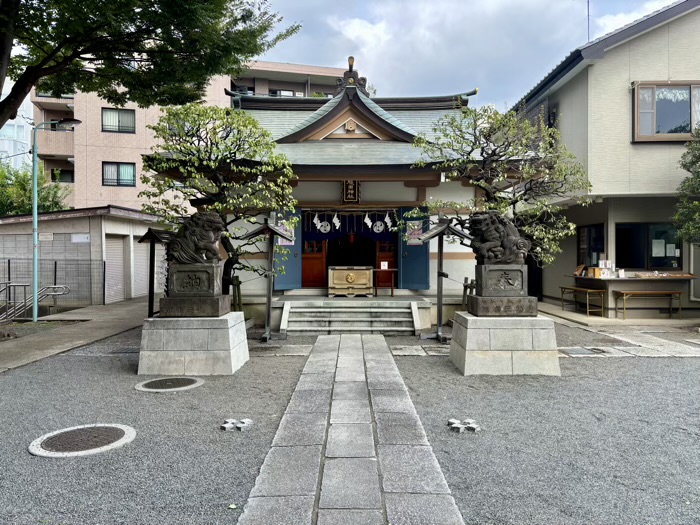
{"type": "Point", "coordinates": [351, 78]}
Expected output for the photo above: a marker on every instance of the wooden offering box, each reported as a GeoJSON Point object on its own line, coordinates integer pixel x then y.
{"type": "Point", "coordinates": [350, 280]}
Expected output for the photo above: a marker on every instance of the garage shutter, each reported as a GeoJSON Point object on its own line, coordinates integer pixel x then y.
{"type": "Point", "coordinates": [141, 252]}
{"type": "Point", "coordinates": [114, 269]}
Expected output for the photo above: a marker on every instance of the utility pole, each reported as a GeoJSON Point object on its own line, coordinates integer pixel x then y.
{"type": "Point", "coordinates": [588, 18]}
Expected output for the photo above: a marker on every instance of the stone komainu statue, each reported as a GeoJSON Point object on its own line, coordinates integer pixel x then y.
{"type": "Point", "coordinates": [196, 240]}
{"type": "Point", "coordinates": [495, 239]}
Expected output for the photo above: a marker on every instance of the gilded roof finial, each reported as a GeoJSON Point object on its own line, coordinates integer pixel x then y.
{"type": "Point", "coordinates": [351, 63]}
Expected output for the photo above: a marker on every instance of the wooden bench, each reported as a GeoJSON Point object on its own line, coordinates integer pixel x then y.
{"type": "Point", "coordinates": [647, 294]}
{"type": "Point", "coordinates": [589, 292]}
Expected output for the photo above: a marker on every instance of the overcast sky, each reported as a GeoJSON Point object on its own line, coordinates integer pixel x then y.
{"type": "Point", "coordinates": [444, 47]}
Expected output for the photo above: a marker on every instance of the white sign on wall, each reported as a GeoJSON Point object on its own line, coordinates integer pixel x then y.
{"type": "Point", "coordinates": [45, 236]}
{"type": "Point", "coordinates": [79, 237]}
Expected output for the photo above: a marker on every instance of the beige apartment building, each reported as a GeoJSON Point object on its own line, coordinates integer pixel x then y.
{"type": "Point", "coordinates": [101, 159]}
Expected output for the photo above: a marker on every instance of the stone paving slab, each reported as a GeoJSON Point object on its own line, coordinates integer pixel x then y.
{"type": "Point", "coordinates": [350, 411]}
{"type": "Point", "coordinates": [407, 350]}
{"type": "Point", "coordinates": [350, 374]}
{"type": "Point", "coordinates": [395, 428]}
{"type": "Point", "coordinates": [351, 362]}
{"type": "Point", "coordinates": [288, 471]}
{"type": "Point", "coordinates": [350, 441]}
{"type": "Point", "coordinates": [350, 390]}
{"type": "Point", "coordinates": [386, 384]}
{"type": "Point", "coordinates": [350, 483]}
{"type": "Point", "coordinates": [290, 510]}
{"type": "Point", "coordinates": [411, 469]}
{"type": "Point", "coordinates": [315, 382]}
{"type": "Point", "coordinates": [350, 517]}
{"type": "Point", "coordinates": [319, 367]}
{"type": "Point", "coordinates": [310, 401]}
{"type": "Point", "coordinates": [422, 509]}
{"type": "Point", "coordinates": [299, 429]}
{"type": "Point", "coordinates": [392, 401]}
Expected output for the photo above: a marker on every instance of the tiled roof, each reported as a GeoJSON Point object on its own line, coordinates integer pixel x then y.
{"type": "Point", "coordinates": [350, 152]}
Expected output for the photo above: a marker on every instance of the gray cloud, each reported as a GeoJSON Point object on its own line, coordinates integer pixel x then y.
{"type": "Point", "coordinates": [414, 47]}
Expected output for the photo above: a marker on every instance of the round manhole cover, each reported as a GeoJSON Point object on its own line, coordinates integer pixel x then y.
{"type": "Point", "coordinates": [82, 441]}
{"type": "Point", "coordinates": [169, 384]}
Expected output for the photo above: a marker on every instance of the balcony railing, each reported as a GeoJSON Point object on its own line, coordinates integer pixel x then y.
{"type": "Point", "coordinates": [54, 143]}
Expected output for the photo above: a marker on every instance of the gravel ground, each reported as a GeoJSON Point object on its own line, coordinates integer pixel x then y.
{"type": "Point", "coordinates": [611, 442]}
{"type": "Point", "coordinates": [180, 469]}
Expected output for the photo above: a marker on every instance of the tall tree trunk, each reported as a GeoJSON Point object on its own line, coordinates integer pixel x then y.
{"type": "Point", "coordinates": [8, 13]}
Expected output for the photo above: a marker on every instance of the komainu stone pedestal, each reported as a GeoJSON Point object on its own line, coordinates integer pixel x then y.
{"type": "Point", "coordinates": [504, 345]}
{"type": "Point", "coordinates": [193, 345]}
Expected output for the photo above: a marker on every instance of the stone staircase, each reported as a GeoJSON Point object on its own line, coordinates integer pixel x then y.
{"type": "Point", "coordinates": [321, 317]}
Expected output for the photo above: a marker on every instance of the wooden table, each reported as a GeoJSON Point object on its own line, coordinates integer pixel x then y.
{"type": "Point", "coordinates": [392, 272]}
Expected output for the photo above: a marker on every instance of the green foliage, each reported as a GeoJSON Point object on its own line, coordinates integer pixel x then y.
{"type": "Point", "coordinates": [687, 217]}
{"type": "Point", "coordinates": [518, 167]}
{"type": "Point", "coordinates": [147, 51]}
{"type": "Point", "coordinates": [225, 158]}
{"type": "Point", "coordinates": [16, 192]}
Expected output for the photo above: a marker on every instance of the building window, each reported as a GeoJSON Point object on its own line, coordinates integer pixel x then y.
{"type": "Point", "coordinates": [281, 93]}
{"type": "Point", "coordinates": [591, 244]}
{"type": "Point", "coordinates": [648, 246]}
{"type": "Point", "coordinates": [59, 175]}
{"type": "Point", "coordinates": [119, 120]}
{"type": "Point", "coordinates": [666, 112]}
{"type": "Point", "coordinates": [118, 174]}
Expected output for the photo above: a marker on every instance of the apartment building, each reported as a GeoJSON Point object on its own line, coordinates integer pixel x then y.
{"type": "Point", "coordinates": [625, 105]}
{"type": "Point", "coordinates": [101, 159]}
{"type": "Point", "coordinates": [16, 134]}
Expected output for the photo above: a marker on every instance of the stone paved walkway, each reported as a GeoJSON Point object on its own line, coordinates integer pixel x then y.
{"type": "Point", "coordinates": [350, 448]}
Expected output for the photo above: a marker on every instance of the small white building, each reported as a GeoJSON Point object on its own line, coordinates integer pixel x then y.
{"type": "Point", "coordinates": [94, 251]}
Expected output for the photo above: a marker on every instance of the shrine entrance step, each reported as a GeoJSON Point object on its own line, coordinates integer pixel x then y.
{"type": "Point", "coordinates": [350, 317]}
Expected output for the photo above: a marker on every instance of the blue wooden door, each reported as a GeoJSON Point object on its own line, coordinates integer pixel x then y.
{"type": "Point", "coordinates": [291, 279]}
{"type": "Point", "coordinates": [414, 262]}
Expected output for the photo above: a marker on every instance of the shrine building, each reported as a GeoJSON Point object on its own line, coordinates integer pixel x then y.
{"type": "Point", "coordinates": [354, 158]}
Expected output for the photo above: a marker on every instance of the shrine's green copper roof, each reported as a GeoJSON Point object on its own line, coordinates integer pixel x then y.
{"type": "Point", "coordinates": [350, 153]}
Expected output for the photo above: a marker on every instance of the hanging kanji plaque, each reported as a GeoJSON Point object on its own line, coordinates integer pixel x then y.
{"type": "Point", "coordinates": [351, 192]}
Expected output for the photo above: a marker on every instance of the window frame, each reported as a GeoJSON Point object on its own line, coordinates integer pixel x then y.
{"type": "Point", "coordinates": [119, 183]}
{"type": "Point", "coordinates": [661, 137]}
{"type": "Point", "coordinates": [56, 176]}
{"type": "Point", "coordinates": [119, 126]}
{"type": "Point", "coordinates": [648, 263]}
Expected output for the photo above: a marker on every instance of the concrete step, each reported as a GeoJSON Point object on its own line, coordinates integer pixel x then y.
{"type": "Point", "coordinates": [349, 309]}
{"type": "Point", "coordinates": [314, 330]}
{"type": "Point", "coordinates": [350, 315]}
{"type": "Point", "coordinates": [355, 319]}
{"type": "Point", "coordinates": [340, 323]}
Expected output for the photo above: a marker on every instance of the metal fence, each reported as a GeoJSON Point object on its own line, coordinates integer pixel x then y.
{"type": "Point", "coordinates": [86, 279]}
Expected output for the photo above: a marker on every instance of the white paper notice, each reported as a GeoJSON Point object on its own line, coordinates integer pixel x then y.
{"type": "Point", "coordinates": [657, 247]}
{"type": "Point", "coordinates": [670, 250]}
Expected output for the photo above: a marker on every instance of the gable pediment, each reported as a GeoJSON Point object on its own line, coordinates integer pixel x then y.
{"type": "Point", "coordinates": [349, 125]}
{"type": "Point", "coordinates": [350, 115]}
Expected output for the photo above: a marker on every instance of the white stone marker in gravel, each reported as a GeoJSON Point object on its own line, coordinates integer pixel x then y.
{"type": "Point", "coordinates": [364, 395]}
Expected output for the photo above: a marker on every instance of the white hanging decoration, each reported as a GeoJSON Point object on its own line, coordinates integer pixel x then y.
{"type": "Point", "coordinates": [316, 221]}
{"type": "Point", "coordinates": [336, 221]}
{"type": "Point", "coordinates": [368, 221]}
{"type": "Point", "coordinates": [387, 220]}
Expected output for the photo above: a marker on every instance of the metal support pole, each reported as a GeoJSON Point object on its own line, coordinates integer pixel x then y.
{"type": "Point", "coordinates": [35, 227]}
{"type": "Point", "coordinates": [270, 282]}
{"type": "Point", "coordinates": [440, 273]}
{"type": "Point", "coordinates": [151, 278]}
